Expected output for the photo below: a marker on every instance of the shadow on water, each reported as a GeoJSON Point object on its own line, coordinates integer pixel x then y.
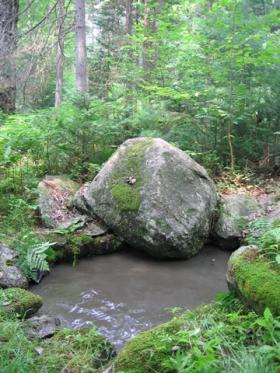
{"type": "Point", "coordinates": [128, 292]}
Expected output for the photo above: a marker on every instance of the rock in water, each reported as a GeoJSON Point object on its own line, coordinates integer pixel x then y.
{"type": "Point", "coordinates": [155, 197]}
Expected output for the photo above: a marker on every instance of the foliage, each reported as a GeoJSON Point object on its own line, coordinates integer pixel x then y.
{"type": "Point", "coordinates": [266, 235]}
{"type": "Point", "coordinates": [33, 254]}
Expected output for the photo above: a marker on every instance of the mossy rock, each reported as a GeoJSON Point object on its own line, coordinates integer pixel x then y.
{"type": "Point", "coordinates": [155, 197]}
{"type": "Point", "coordinates": [20, 302]}
{"type": "Point", "coordinates": [81, 350]}
{"type": "Point", "coordinates": [254, 279]}
{"type": "Point", "coordinates": [92, 239]}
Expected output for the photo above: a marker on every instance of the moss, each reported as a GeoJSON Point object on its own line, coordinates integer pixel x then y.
{"type": "Point", "coordinates": [148, 351]}
{"type": "Point", "coordinates": [258, 283]}
{"type": "Point", "coordinates": [127, 196]}
{"type": "Point", "coordinates": [18, 301]}
{"type": "Point", "coordinates": [75, 351]}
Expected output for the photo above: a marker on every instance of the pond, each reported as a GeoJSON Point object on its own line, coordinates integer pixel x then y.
{"type": "Point", "coordinates": [128, 292]}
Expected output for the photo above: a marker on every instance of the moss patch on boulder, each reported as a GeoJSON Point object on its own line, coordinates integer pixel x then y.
{"type": "Point", "coordinates": [20, 302]}
{"type": "Point", "coordinates": [128, 195]}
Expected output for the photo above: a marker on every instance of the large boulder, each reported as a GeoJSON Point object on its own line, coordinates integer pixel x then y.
{"type": "Point", "coordinates": [10, 274]}
{"type": "Point", "coordinates": [234, 212]}
{"type": "Point", "coordinates": [254, 280]}
{"type": "Point", "coordinates": [155, 197]}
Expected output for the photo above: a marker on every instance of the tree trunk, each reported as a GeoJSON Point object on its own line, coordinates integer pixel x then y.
{"type": "Point", "coordinates": [157, 12]}
{"type": "Point", "coordinates": [60, 53]}
{"type": "Point", "coordinates": [128, 16]}
{"type": "Point", "coordinates": [146, 44]}
{"type": "Point", "coordinates": [81, 54]}
{"type": "Point", "coordinates": [8, 45]}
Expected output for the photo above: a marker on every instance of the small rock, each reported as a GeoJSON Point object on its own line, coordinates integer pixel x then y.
{"type": "Point", "coordinates": [42, 326]}
{"type": "Point", "coordinates": [39, 350]}
{"type": "Point", "coordinates": [10, 274]}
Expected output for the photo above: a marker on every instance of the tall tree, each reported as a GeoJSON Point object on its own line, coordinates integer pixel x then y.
{"type": "Point", "coordinates": [128, 16]}
{"type": "Point", "coordinates": [60, 53]}
{"type": "Point", "coordinates": [8, 45]}
{"type": "Point", "coordinates": [81, 53]}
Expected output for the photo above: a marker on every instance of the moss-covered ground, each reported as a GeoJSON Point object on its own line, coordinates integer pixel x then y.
{"type": "Point", "coordinates": [222, 337]}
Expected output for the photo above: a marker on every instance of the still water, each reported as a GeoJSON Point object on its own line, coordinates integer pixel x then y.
{"type": "Point", "coordinates": [128, 292]}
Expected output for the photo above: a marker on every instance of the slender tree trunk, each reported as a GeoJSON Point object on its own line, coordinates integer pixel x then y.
{"type": "Point", "coordinates": [146, 44]}
{"type": "Point", "coordinates": [60, 53]}
{"type": "Point", "coordinates": [157, 11]}
{"type": "Point", "coordinates": [8, 46]}
{"type": "Point", "coordinates": [128, 16]}
{"type": "Point", "coordinates": [81, 54]}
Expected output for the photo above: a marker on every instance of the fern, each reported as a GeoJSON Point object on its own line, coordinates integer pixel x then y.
{"type": "Point", "coordinates": [36, 259]}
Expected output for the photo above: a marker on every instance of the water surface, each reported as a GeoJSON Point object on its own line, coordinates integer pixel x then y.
{"type": "Point", "coordinates": [127, 292]}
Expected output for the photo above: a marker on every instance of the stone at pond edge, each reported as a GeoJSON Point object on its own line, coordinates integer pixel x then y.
{"type": "Point", "coordinates": [155, 197]}
{"type": "Point", "coordinates": [20, 302]}
{"type": "Point", "coordinates": [91, 240]}
{"type": "Point", "coordinates": [55, 195]}
{"type": "Point", "coordinates": [42, 326]}
{"type": "Point", "coordinates": [234, 211]}
{"type": "Point", "coordinates": [254, 280]}
{"type": "Point", "coordinates": [10, 274]}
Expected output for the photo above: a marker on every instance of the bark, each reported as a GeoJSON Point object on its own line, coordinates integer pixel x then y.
{"type": "Point", "coordinates": [60, 53]}
{"type": "Point", "coordinates": [157, 12]}
{"type": "Point", "coordinates": [81, 54]}
{"type": "Point", "coordinates": [147, 30]}
{"type": "Point", "coordinates": [8, 45]}
{"type": "Point", "coordinates": [128, 16]}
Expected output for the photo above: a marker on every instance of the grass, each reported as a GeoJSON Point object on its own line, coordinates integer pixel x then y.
{"type": "Point", "coordinates": [68, 351]}
{"type": "Point", "coordinates": [222, 337]}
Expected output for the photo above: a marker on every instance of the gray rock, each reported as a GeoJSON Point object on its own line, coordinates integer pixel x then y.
{"type": "Point", "coordinates": [55, 195]}
{"type": "Point", "coordinates": [42, 326]}
{"type": "Point", "coordinates": [235, 210]}
{"type": "Point", "coordinates": [79, 200]}
{"type": "Point", "coordinates": [10, 274]}
{"type": "Point", "coordinates": [155, 197]}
